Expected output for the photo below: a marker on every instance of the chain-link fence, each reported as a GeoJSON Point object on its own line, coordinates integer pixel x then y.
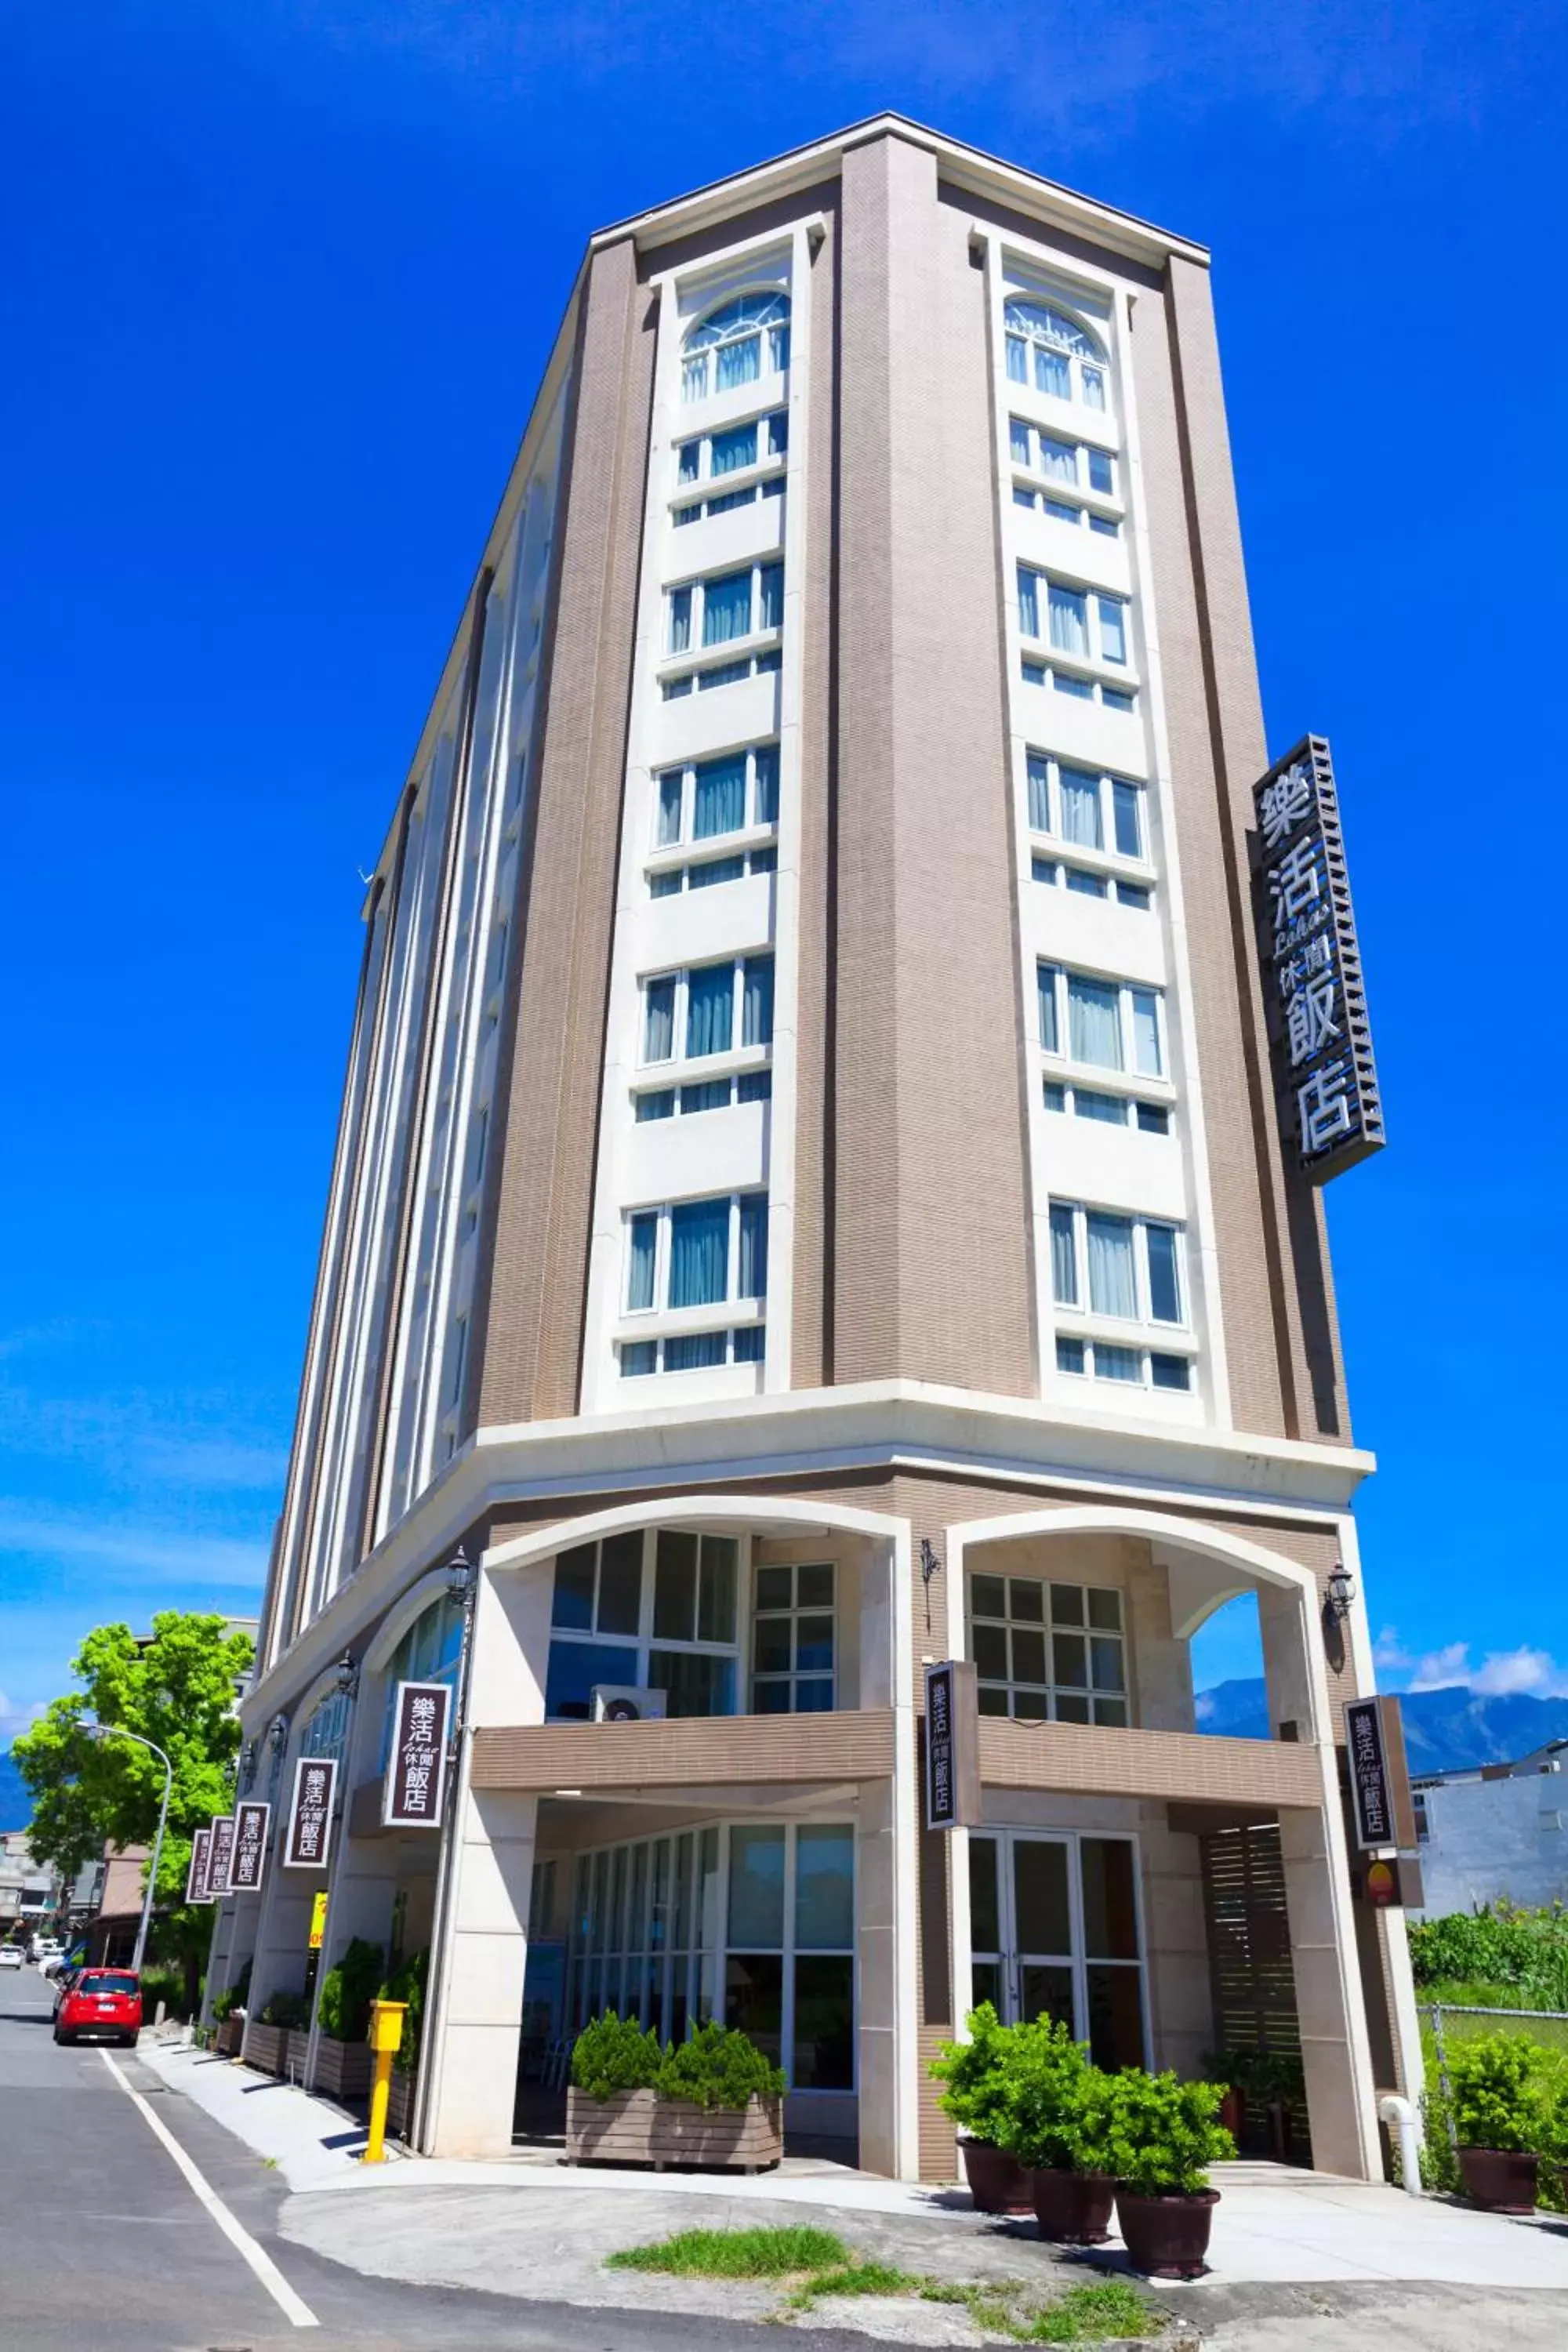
{"type": "Point", "coordinates": [1447, 2024]}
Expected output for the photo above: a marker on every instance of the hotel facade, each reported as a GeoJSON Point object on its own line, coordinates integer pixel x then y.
{"type": "Point", "coordinates": [832, 821]}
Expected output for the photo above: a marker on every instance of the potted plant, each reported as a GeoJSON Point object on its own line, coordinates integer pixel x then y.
{"type": "Point", "coordinates": [1500, 2119]}
{"type": "Point", "coordinates": [1271, 2079]}
{"type": "Point", "coordinates": [228, 2014]}
{"type": "Point", "coordinates": [1044, 2071]}
{"type": "Point", "coordinates": [342, 2014]}
{"type": "Point", "coordinates": [977, 2097]}
{"type": "Point", "coordinates": [1162, 2137]}
{"type": "Point", "coordinates": [406, 1984]}
{"type": "Point", "coordinates": [715, 2099]}
{"type": "Point", "coordinates": [267, 2038]}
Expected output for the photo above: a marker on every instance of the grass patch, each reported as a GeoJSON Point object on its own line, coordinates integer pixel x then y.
{"type": "Point", "coordinates": [1089, 2314]}
{"type": "Point", "coordinates": [853, 2278]}
{"type": "Point", "coordinates": [740, 2253]}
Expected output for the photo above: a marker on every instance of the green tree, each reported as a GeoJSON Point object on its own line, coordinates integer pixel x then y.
{"type": "Point", "coordinates": [178, 1691]}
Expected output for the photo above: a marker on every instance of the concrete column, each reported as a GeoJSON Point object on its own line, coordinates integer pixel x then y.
{"type": "Point", "coordinates": [475, 2084]}
{"type": "Point", "coordinates": [876, 1978]}
{"type": "Point", "coordinates": [1330, 2012]}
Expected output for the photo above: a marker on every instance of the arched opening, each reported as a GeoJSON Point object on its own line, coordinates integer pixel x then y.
{"type": "Point", "coordinates": [1052, 351]}
{"type": "Point", "coordinates": [739, 342]}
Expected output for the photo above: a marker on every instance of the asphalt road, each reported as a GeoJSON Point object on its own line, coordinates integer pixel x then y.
{"type": "Point", "coordinates": [106, 2246]}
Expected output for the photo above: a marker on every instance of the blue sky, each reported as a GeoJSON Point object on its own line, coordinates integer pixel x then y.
{"type": "Point", "coordinates": [279, 281]}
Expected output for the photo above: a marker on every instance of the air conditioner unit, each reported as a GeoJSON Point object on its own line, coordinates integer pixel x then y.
{"type": "Point", "coordinates": [623, 1703]}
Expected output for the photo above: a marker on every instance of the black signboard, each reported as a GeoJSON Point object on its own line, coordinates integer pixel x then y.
{"type": "Point", "coordinates": [415, 1784]}
{"type": "Point", "coordinates": [1319, 1037]}
{"type": "Point", "coordinates": [1372, 1793]}
{"type": "Point", "coordinates": [310, 1813]}
{"type": "Point", "coordinates": [952, 1745]}
{"type": "Point", "coordinates": [220, 1854]}
{"type": "Point", "coordinates": [252, 1822]}
{"type": "Point", "coordinates": [196, 1878]}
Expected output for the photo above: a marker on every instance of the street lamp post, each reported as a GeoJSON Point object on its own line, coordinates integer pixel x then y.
{"type": "Point", "coordinates": [115, 1731]}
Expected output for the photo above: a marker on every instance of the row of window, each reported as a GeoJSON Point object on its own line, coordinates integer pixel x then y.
{"type": "Point", "coordinates": [671, 880]}
{"type": "Point", "coordinates": [708, 798]}
{"type": "Point", "coordinates": [1080, 689]}
{"type": "Point", "coordinates": [1090, 625]}
{"type": "Point", "coordinates": [712, 455]}
{"type": "Point", "coordinates": [709, 1008]}
{"type": "Point", "coordinates": [773, 487]}
{"type": "Point", "coordinates": [1092, 886]}
{"type": "Point", "coordinates": [731, 604]}
{"type": "Point", "coordinates": [728, 673]}
{"type": "Point", "coordinates": [1125, 1267]}
{"type": "Point", "coordinates": [698, 1252]}
{"type": "Point", "coordinates": [1049, 348]}
{"type": "Point", "coordinates": [1091, 811]}
{"type": "Point", "coordinates": [693, 1351]}
{"type": "Point", "coordinates": [710, 1094]}
{"type": "Point", "coordinates": [1111, 1111]}
{"type": "Point", "coordinates": [1048, 1652]}
{"type": "Point", "coordinates": [1060, 510]}
{"type": "Point", "coordinates": [1109, 1024]}
{"type": "Point", "coordinates": [1069, 465]}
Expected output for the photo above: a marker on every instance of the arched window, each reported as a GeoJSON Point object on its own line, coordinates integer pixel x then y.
{"type": "Point", "coordinates": [430, 1651]}
{"type": "Point", "coordinates": [1055, 352]}
{"type": "Point", "coordinates": [327, 1732]}
{"type": "Point", "coordinates": [726, 348]}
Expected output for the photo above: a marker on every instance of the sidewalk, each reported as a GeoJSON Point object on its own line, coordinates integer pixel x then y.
{"type": "Point", "coordinates": [534, 2228]}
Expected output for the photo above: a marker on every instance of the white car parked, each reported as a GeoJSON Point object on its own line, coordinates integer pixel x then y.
{"type": "Point", "coordinates": [10, 1955]}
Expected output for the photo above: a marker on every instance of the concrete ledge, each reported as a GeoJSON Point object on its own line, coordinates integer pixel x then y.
{"type": "Point", "coordinates": [1189, 1766]}
{"type": "Point", "coordinates": [688, 1751]}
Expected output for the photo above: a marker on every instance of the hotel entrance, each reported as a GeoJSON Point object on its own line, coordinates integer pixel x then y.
{"type": "Point", "coordinates": [1055, 1931]}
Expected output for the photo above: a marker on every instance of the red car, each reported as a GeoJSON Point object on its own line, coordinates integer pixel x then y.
{"type": "Point", "coordinates": [100, 2000]}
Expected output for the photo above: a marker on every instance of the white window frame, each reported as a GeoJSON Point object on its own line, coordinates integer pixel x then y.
{"type": "Point", "coordinates": [1097, 358]}
{"type": "Point", "coordinates": [771, 368]}
{"type": "Point", "coordinates": [1060, 1056]}
{"type": "Point", "coordinates": [1105, 858]}
{"type": "Point", "coordinates": [645, 1640]}
{"type": "Point", "coordinates": [690, 497]}
{"type": "Point", "coordinates": [1096, 663]}
{"type": "Point", "coordinates": [752, 829]}
{"type": "Point", "coordinates": [794, 1675]}
{"type": "Point", "coordinates": [1046, 1626]}
{"type": "Point", "coordinates": [730, 1316]}
{"type": "Point", "coordinates": [732, 1056]}
{"type": "Point", "coordinates": [1030, 476]}
{"type": "Point", "coordinates": [1082, 1324]}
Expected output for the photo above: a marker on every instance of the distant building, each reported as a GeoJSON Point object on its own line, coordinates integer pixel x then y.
{"type": "Point", "coordinates": [29, 1890]}
{"type": "Point", "coordinates": [1497, 1834]}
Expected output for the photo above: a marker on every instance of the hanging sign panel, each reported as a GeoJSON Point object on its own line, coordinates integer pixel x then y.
{"type": "Point", "coordinates": [1379, 1776]}
{"type": "Point", "coordinates": [952, 1745]}
{"type": "Point", "coordinates": [415, 1784]}
{"type": "Point", "coordinates": [220, 1854]}
{"type": "Point", "coordinates": [196, 1876]}
{"type": "Point", "coordinates": [251, 1823]}
{"type": "Point", "coordinates": [310, 1813]}
{"type": "Point", "coordinates": [1319, 1037]}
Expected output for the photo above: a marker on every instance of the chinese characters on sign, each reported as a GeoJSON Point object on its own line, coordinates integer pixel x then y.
{"type": "Point", "coordinates": [220, 1854]}
{"type": "Point", "coordinates": [310, 1813]}
{"type": "Point", "coordinates": [196, 1879]}
{"type": "Point", "coordinates": [415, 1781]}
{"type": "Point", "coordinates": [1318, 1031]}
{"type": "Point", "coordinates": [952, 1745]}
{"type": "Point", "coordinates": [1379, 1775]}
{"type": "Point", "coordinates": [252, 1822]}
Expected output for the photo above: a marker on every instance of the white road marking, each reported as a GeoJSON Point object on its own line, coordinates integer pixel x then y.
{"type": "Point", "coordinates": [297, 2313]}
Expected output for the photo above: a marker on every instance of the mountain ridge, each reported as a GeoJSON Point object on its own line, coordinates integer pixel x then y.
{"type": "Point", "coordinates": [1451, 1730]}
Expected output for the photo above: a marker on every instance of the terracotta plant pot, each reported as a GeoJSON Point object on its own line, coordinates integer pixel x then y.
{"type": "Point", "coordinates": [1498, 2179]}
{"type": "Point", "coordinates": [1233, 2113]}
{"type": "Point", "coordinates": [1167, 2237]}
{"type": "Point", "coordinates": [997, 2182]}
{"type": "Point", "coordinates": [1073, 2207]}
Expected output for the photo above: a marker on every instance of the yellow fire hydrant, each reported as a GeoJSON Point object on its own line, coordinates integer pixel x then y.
{"type": "Point", "coordinates": [385, 2035]}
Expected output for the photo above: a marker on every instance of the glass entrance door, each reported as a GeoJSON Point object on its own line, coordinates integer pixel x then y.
{"type": "Point", "coordinates": [1054, 1932]}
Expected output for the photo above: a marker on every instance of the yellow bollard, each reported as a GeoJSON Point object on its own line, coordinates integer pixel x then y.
{"type": "Point", "coordinates": [386, 2033]}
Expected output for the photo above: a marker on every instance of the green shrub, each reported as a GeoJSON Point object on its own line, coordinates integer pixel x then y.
{"type": "Point", "coordinates": [1043, 2070]}
{"type": "Point", "coordinates": [976, 2073]}
{"type": "Point", "coordinates": [1268, 2075]}
{"type": "Point", "coordinates": [1094, 2123]}
{"type": "Point", "coordinates": [718, 2066]}
{"type": "Point", "coordinates": [162, 1983]}
{"type": "Point", "coordinates": [1523, 1954]}
{"type": "Point", "coordinates": [1498, 2091]}
{"type": "Point", "coordinates": [287, 2009]}
{"type": "Point", "coordinates": [347, 1991]}
{"type": "Point", "coordinates": [1163, 2135]}
{"type": "Point", "coordinates": [614, 2053]}
{"type": "Point", "coordinates": [406, 1984]}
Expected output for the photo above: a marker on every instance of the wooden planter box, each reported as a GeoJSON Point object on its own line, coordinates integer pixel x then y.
{"type": "Point", "coordinates": [342, 2068]}
{"type": "Point", "coordinates": [640, 2128]}
{"type": "Point", "coordinates": [227, 2034]}
{"type": "Point", "coordinates": [265, 2046]}
{"type": "Point", "coordinates": [400, 2103]}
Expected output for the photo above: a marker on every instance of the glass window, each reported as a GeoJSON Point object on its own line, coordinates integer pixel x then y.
{"type": "Point", "coordinates": [699, 1252]}
{"type": "Point", "coordinates": [1068, 619]}
{"type": "Point", "coordinates": [1146, 1053]}
{"type": "Point", "coordinates": [1127, 802]}
{"type": "Point", "coordinates": [1018, 440]}
{"type": "Point", "coordinates": [757, 1001]}
{"type": "Point", "coordinates": [754, 1265]}
{"type": "Point", "coordinates": [1049, 1028]}
{"type": "Point", "coordinates": [727, 608]}
{"type": "Point", "coordinates": [1165, 1287]}
{"type": "Point", "coordinates": [709, 1010]}
{"type": "Point", "coordinates": [772, 581]}
{"type": "Point", "coordinates": [1094, 1021]}
{"type": "Point", "coordinates": [679, 620]}
{"type": "Point", "coordinates": [667, 829]}
{"type": "Point", "coordinates": [728, 452]}
{"type": "Point", "coordinates": [1154, 1118]}
{"type": "Point", "coordinates": [1034, 1657]}
{"type": "Point", "coordinates": [571, 1671]}
{"type": "Point", "coordinates": [1112, 1281]}
{"type": "Point", "coordinates": [644, 1243]}
{"type": "Point", "coordinates": [1088, 886]}
{"type": "Point", "coordinates": [1081, 808]}
{"type": "Point", "coordinates": [778, 433]}
{"type": "Point", "coordinates": [1039, 794]}
{"type": "Point", "coordinates": [1058, 459]}
{"type": "Point", "coordinates": [719, 798]}
{"type": "Point", "coordinates": [1028, 609]}
{"type": "Point", "coordinates": [1064, 1257]}
{"type": "Point", "coordinates": [1112, 629]}
{"type": "Point", "coordinates": [689, 455]}
{"type": "Point", "coordinates": [825, 1887]}
{"type": "Point", "coordinates": [793, 1640]}
{"type": "Point", "coordinates": [1169, 1371]}
{"type": "Point", "coordinates": [659, 1023]}
{"type": "Point", "coordinates": [756, 1887]}
{"type": "Point", "coordinates": [1101, 472]}
{"type": "Point", "coordinates": [766, 762]}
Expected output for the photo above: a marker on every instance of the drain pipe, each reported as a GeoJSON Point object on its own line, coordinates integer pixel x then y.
{"type": "Point", "coordinates": [1401, 2116]}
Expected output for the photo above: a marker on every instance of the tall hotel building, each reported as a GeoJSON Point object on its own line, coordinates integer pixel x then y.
{"type": "Point", "coordinates": [809, 1202]}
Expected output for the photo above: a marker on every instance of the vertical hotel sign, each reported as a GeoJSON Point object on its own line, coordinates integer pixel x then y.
{"type": "Point", "coordinates": [251, 1820]}
{"type": "Point", "coordinates": [310, 1813]}
{"type": "Point", "coordinates": [1319, 1037]}
{"type": "Point", "coordinates": [415, 1779]}
{"type": "Point", "coordinates": [196, 1878]}
{"type": "Point", "coordinates": [952, 1745]}
{"type": "Point", "coordinates": [220, 1854]}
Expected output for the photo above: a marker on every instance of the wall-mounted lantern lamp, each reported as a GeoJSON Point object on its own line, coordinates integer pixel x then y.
{"type": "Point", "coordinates": [1341, 1589]}
{"type": "Point", "coordinates": [346, 1678]}
{"type": "Point", "coordinates": [460, 1576]}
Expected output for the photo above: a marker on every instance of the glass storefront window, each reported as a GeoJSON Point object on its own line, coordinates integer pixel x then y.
{"type": "Point", "coordinates": [1054, 1932]}
{"type": "Point", "coordinates": [651, 1608]}
{"type": "Point", "coordinates": [1048, 1652]}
